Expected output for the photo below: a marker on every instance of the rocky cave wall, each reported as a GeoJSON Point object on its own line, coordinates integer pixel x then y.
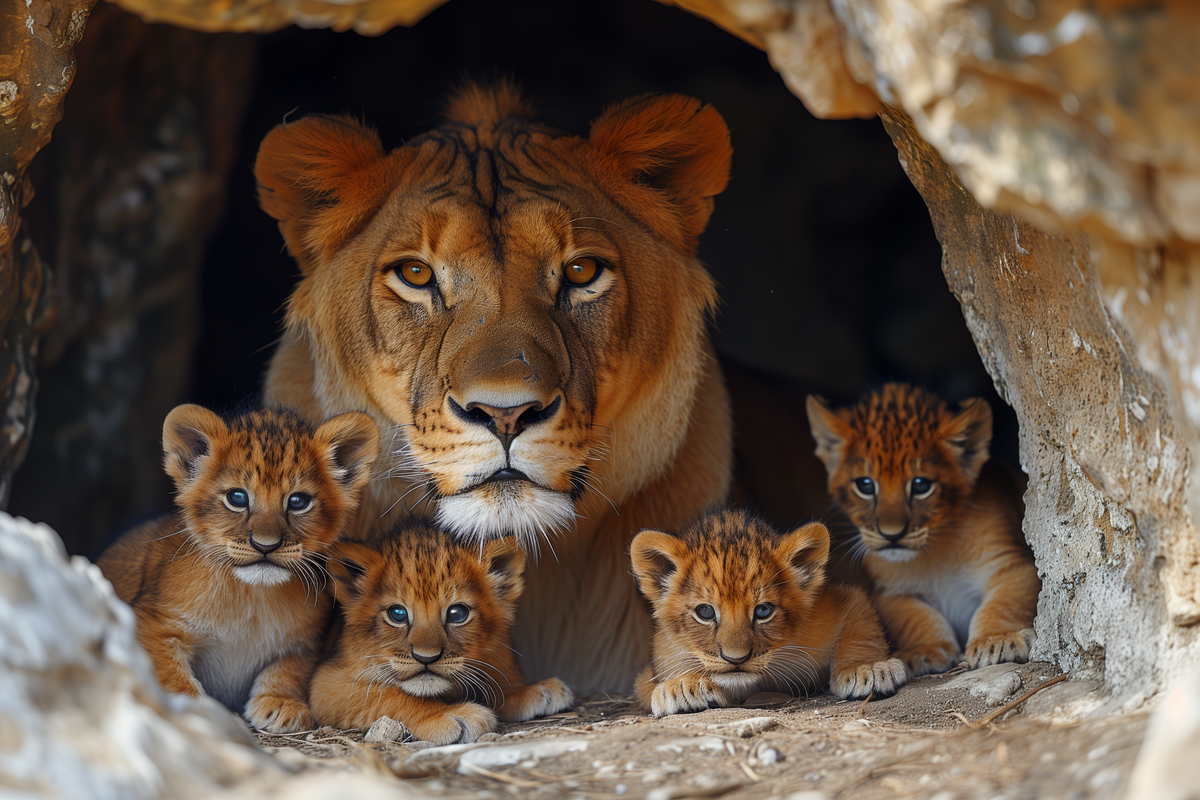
{"type": "Point", "coordinates": [1054, 143]}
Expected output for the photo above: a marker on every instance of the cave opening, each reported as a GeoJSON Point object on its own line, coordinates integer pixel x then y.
{"type": "Point", "coordinates": [829, 271]}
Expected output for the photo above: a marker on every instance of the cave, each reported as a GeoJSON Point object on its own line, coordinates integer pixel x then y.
{"type": "Point", "coordinates": [1049, 148]}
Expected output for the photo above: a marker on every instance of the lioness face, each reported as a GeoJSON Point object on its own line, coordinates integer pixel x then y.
{"type": "Point", "coordinates": [516, 305]}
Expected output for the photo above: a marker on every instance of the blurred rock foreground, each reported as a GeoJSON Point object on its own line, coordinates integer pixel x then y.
{"type": "Point", "coordinates": [1056, 144]}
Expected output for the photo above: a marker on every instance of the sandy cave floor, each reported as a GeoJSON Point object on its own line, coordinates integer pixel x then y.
{"type": "Point", "coordinates": [927, 741]}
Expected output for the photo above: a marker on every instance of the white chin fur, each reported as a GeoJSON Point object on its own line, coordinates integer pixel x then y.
{"type": "Point", "coordinates": [896, 555]}
{"type": "Point", "coordinates": [262, 574]}
{"type": "Point", "coordinates": [427, 685]}
{"type": "Point", "coordinates": [516, 508]}
{"type": "Point", "coordinates": [737, 685]}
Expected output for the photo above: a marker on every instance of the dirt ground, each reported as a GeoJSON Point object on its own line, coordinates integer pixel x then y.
{"type": "Point", "coordinates": [947, 737]}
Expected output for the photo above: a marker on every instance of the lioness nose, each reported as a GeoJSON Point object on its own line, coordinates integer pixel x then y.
{"type": "Point", "coordinates": [506, 422]}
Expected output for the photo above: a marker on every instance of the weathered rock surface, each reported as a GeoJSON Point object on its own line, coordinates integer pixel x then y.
{"type": "Point", "coordinates": [36, 68]}
{"type": "Point", "coordinates": [1105, 509]}
{"type": "Point", "coordinates": [81, 715]}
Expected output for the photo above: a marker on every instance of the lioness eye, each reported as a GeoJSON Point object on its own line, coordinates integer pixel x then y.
{"type": "Point", "coordinates": [397, 615]}
{"type": "Point", "coordinates": [921, 487]}
{"type": "Point", "coordinates": [237, 499]}
{"type": "Point", "coordinates": [865, 487]}
{"type": "Point", "coordinates": [299, 502]}
{"type": "Point", "coordinates": [763, 610]}
{"type": "Point", "coordinates": [705, 613]}
{"type": "Point", "coordinates": [457, 614]}
{"type": "Point", "coordinates": [415, 273]}
{"type": "Point", "coordinates": [582, 271]}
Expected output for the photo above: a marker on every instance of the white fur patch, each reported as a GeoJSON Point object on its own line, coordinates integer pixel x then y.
{"type": "Point", "coordinates": [262, 574]}
{"type": "Point", "coordinates": [896, 555]}
{"type": "Point", "coordinates": [737, 685]}
{"type": "Point", "coordinates": [427, 684]}
{"type": "Point", "coordinates": [515, 508]}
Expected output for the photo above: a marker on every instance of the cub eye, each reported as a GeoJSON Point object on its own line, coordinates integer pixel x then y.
{"type": "Point", "coordinates": [763, 611]}
{"type": "Point", "coordinates": [300, 502]}
{"type": "Point", "coordinates": [415, 273]}
{"type": "Point", "coordinates": [865, 487]}
{"type": "Point", "coordinates": [397, 615]}
{"type": "Point", "coordinates": [705, 613]}
{"type": "Point", "coordinates": [457, 614]}
{"type": "Point", "coordinates": [237, 499]}
{"type": "Point", "coordinates": [582, 271]}
{"type": "Point", "coordinates": [921, 487]}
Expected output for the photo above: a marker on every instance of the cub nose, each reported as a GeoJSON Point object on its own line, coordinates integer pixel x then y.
{"type": "Point", "coordinates": [506, 422]}
{"type": "Point", "coordinates": [735, 660]}
{"type": "Point", "coordinates": [425, 658]}
{"type": "Point", "coordinates": [264, 546]}
{"type": "Point", "coordinates": [891, 534]}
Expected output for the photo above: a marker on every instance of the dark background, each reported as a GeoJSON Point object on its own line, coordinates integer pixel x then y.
{"type": "Point", "coordinates": [829, 270]}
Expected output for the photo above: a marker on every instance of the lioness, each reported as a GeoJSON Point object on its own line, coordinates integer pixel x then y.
{"type": "Point", "coordinates": [522, 312]}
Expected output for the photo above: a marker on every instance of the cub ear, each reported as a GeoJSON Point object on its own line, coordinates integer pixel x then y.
{"type": "Point", "coordinates": [322, 178]}
{"type": "Point", "coordinates": [672, 145]}
{"type": "Point", "coordinates": [505, 564]}
{"type": "Point", "coordinates": [806, 550]}
{"type": "Point", "coordinates": [968, 435]}
{"type": "Point", "coordinates": [828, 430]}
{"type": "Point", "coordinates": [189, 433]}
{"type": "Point", "coordinates": [352, 440]}
{"type": "Point", "coordinates": [347, 565]}
{"type": "Point", "coordinates": [656, 557]}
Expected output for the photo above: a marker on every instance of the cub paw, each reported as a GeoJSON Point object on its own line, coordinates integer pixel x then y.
{"type": "Point", "coordinates": [544, 697]}
{"type": "Point", "coordinates": [988, 650]}
{"type": "Point", "coordinates": [882, 679]}
{"type": "Point", "coordinates": [279, 714]}
{"type": "Point", "coordinates": [928, 659]}
{"type": "Point", "coordinates": [687, 693]}
{"type": "Point", "coordinates": [462, 723]}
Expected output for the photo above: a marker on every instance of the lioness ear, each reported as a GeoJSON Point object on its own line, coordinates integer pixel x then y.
{"type": "Point", "coordinates": [352, 440]}
{"type": "Point", "coordinates": [505, 564]}
{"type": "Point", "coordinates": [968, 435]}
{"type": "Point", "coordinates": [322, 178]}
{"type": "Point", "coordinates": [346, 564]}
{"type": "Point", "coordinates": [188, 435]}
{"type": "Point", "coordinates": [656, 557]}
{"type": "Point", "coordinates": [806, 550]}
{"type": "Point", "coordinates": [668, 144]}
{"type": "Point", "coordinates": [829, 432]}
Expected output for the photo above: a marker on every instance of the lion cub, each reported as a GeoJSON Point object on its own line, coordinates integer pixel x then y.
{"type": "Point", "coordinates": [228, 589]}
{"type": "Point", "coordinates": [424, 637]}
{"type": "Point", "coordinates": [939, 525]}
{"type": "Point", "coordinates": [741, 608]}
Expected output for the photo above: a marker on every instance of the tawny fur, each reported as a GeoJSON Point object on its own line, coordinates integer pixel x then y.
{"type": "Point", "coordinates": [616, 395]}
{"type": "Point", "coordinates": [216, 614]}
{"type": "Point", "coordinates": [447, 679]}
{"type": "Point", "coordinates": [740, 608]}
{"type": "Point", "coordinates": [956, 575]}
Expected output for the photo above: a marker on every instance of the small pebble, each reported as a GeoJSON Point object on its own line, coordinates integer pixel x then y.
{"type": "Point", "coordinates": [769, 755]}
{"type": "Point", "coordinates": [745, 728]}
{"type": "Point", "coordinates": [387, 729]}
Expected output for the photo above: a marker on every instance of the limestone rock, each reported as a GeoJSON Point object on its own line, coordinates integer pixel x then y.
{"type": "Point", "coordinates": [1167, 767]}
{"type": "Point", "coordinates": [368, 17]}
{"type": "Point", "coordinates": [81, 715]}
